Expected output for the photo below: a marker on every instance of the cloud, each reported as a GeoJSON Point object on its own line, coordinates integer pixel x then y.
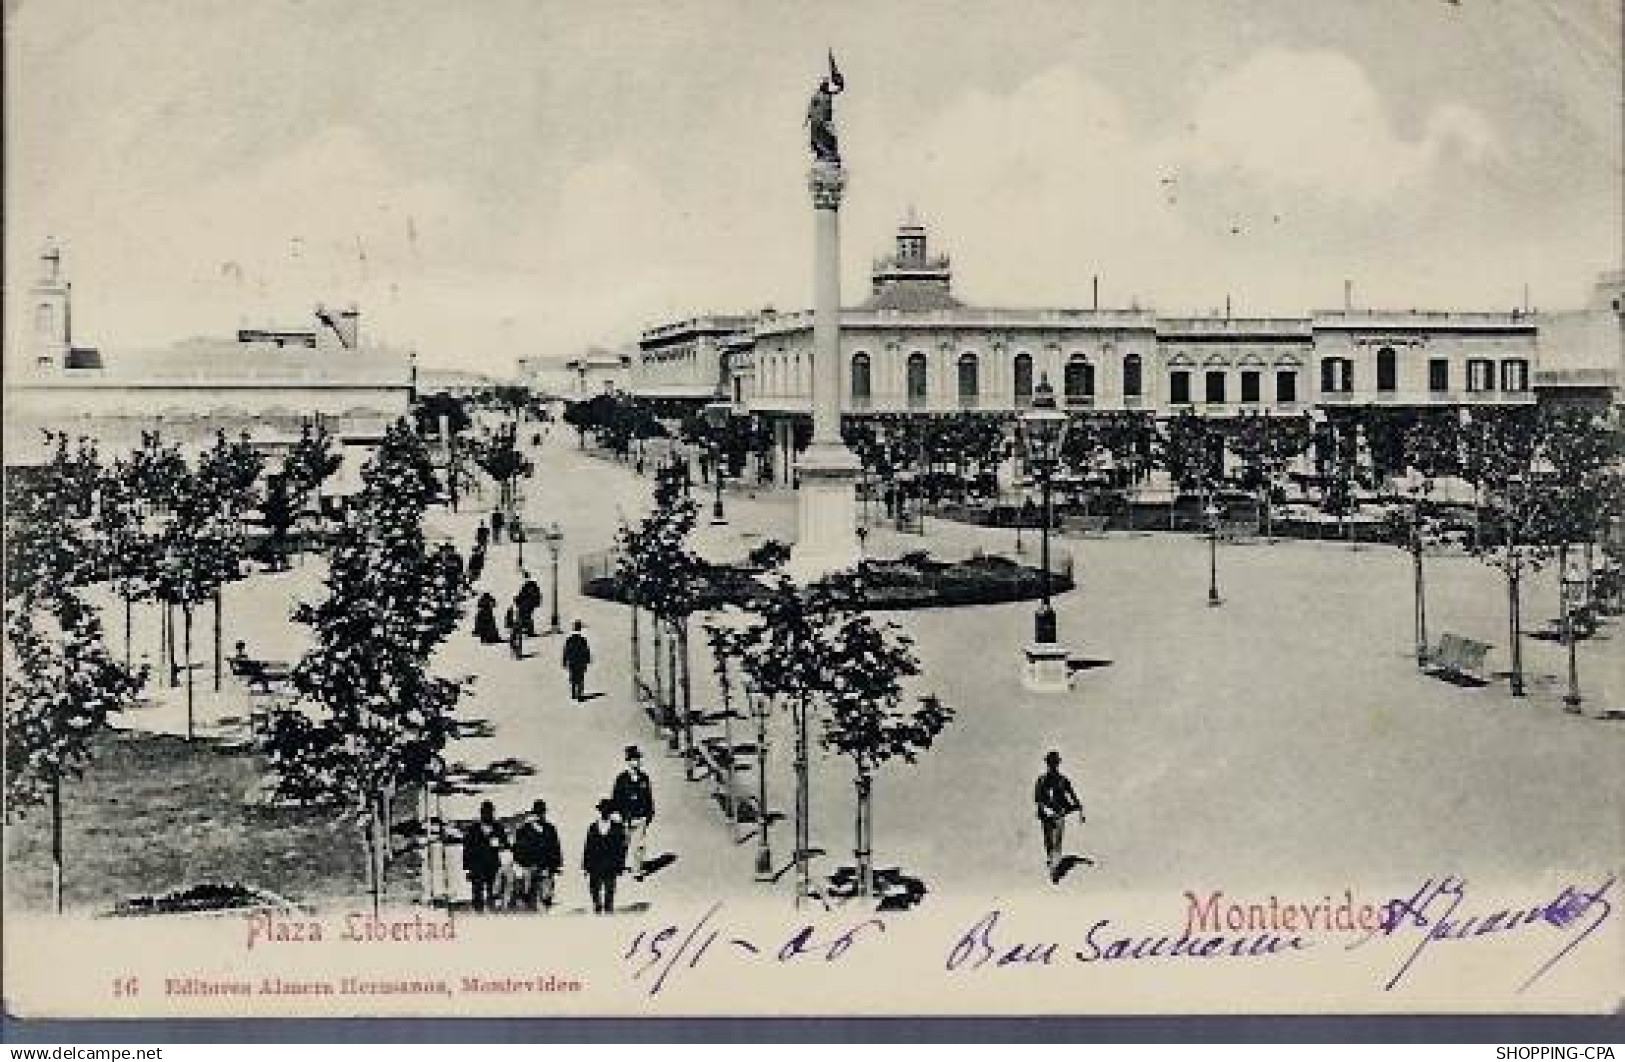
{"type": "Point", "coordinates": [1312, 121]}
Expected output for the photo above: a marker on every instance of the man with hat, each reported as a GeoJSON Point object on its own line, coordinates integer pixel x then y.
{"type": "Point", "coordinates": [1056, 799]}
{"type": "Point", "coordinates": [537, 858]}
{"type": "Point", "coordinates": [603, 857]}
{"type": "Point", "coordinates": [635, 799]}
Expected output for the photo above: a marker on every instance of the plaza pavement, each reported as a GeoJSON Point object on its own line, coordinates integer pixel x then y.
{"type": "Point", "coordinates": [1284, 741]}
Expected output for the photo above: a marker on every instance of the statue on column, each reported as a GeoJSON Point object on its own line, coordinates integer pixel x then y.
{"type": "Point", "coordinates": [821, 116]}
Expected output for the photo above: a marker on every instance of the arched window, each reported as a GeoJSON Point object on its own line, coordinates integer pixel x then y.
{"type": "Point", "coordinates": [968, 389]}
{"type": "Point", "coordinates": [1024, 379]}
{"type": "Point", "coordinates": [1131, 376]}
{"type": "Point", "coordinates": [1080, 381]}
{"type": "Point", "coordinates": [860, 380]}
{"type": "Point", "coordinates": [916, 379]}
{"type": "Point", "coordinates": [1387, 370]}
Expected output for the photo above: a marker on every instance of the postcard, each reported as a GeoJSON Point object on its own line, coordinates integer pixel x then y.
{"type": "Point", "coordinates": [832, 508]}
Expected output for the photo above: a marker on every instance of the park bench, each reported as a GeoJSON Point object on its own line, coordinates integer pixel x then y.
{"type": "Point", "coordinates": [1458, 658]}
{"type": "Point", "coordinates": [1088, 525]}
{"type": "Point", "coordinates": [266, 676]}
{"type": "Point", "coordinates": [714, 756]}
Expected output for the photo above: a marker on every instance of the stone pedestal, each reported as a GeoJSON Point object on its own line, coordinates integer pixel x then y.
{"type": "Point", "coordinates": [1045, 668]}
{"type": "Point", "coordinates": [826, 519]}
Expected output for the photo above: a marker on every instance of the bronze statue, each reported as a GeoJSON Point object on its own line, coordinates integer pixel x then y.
{"type": "Point", "coordinates": [821, 115]}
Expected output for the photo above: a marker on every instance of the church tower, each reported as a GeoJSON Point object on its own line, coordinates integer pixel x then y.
{"type": "Point", "coordinates": [52, 309]}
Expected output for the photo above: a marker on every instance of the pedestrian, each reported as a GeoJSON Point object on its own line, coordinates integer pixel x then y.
{"type": "Point", "coordinates": [603, 857]}
{"type": "Point", "coordinates": [635, 799]}
{"type": "Point", "coordinates": [453, 561]}
{"type": "Point", "coordinates": [476, 563]}
{"type": "Point", "coordinates": [537, 858]}
{"type": "Point", "coordinates": [482, 537]}
{"type": "Point", "coordinates": [516, 632]}
{"type": "Point", "coordinates": [577, 656]}
{"type": "Point", "coordinates": [528, 601]}
{"type": "Point", "coordinates": [483, 840]}
{"type": "Point", "coordinates": [485, 620]}
{"type": "Point", "coordinates": [497, 520]}
{"type": "Point", "coordinates": [1056, 799]}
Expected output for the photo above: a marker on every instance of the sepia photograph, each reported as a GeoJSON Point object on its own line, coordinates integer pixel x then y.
{"type": "Point", "coordinates": [521, 508]}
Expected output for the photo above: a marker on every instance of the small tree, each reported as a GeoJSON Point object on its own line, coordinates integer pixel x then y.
{"type": "Point", "coordinates": [310, 462]}
{"type": "Point", "coordinates": [1430, 451]}
{"type": "Point", "coordinates": [61, 688]}
{"type": "Point", "coordinates": [382, 718]}
{"type": "Point", "coordinates": [863, 717]}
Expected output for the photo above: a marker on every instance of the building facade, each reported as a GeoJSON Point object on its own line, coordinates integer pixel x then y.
{"type": "Point", "coordinates": [267, 382]}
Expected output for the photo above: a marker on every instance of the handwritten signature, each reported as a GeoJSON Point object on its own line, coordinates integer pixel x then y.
{"type": "Point", "coordinates": [1436, 913]}
{"type": "Point", "coordinates": [1431, 913]}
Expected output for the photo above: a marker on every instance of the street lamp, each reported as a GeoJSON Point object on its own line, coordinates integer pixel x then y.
{"type": "Point", "coordinates": [716, 415]}
{"type": "Point", "coordinates": [1043, 428]}
{"type": "Point", "coordinates": [1212, 513]}
{"type": "Point", "coordinates": [1574, 588]}
{"type": "Point", "coordinates": [1515, 502]}
{"type": "Point", "coordinates": [554, 537]}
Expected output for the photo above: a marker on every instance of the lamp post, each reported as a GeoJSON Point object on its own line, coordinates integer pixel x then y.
{"type": "Point", "coordinates": [1515, 496]}
{"type": "Point", "coordinates": [764, 847]}
{"type": "Point", "coordinates": [554, 537]}
{"type": "Point", "coordinates": [716, 417]}
{"type": "Point", "coordinates": [1212, 513]}
{"type": "Point", "coordinates": [1574, 588]}
{"type": "Point", "coordinates": [1044, 426]}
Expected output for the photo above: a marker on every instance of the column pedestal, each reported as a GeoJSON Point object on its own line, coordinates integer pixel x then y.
{"type": "Point", "coordinates": [826, 514]}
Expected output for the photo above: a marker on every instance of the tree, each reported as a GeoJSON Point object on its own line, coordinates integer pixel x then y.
{"type": "Point", "coordinates": [1579, 448]}
{"type": "Point", "coordinates": [128, 550]}
{"type": "Point", "coordinates": [61, 685]}
{"type": "Point", "coordinates": [1501, 453]}
{"type": "Point", "coordinates": [227, 475]}
{"type": "Point", "coordinates": [310, 462]}
{"type": "Point", "coordinates": [381, 718]}
{"type": "Point", "coordinates": [863, 718]}
{"type": "Point", "coordinates": [1430, 451]}
{"type": "Point", "coordinates": [1191, 451]}
{"type": "Point", "coordinates": [1265, 446]}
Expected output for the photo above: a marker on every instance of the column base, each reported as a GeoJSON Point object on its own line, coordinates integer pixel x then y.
{"type": "Point", "coordinates": [827, 515]}
{"type": "Point", "coordinates": [1044, 668]}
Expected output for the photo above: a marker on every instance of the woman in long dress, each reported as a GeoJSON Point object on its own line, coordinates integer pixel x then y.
{"type": "Point", "coordinates": [485, 621]}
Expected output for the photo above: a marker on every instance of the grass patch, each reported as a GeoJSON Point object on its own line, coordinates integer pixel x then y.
{"type": "Point", "coordinates": [156, 814]}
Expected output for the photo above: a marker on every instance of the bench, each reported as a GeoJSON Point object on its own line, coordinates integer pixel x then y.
{"type": "Point", "coordinates": [1093, 526]}
{"type": "Point", "coordinates": [265, 676]}
{"type": "Point", "coordinates": [1458, 658]}
{"type": "Point", "coordinates": [714, 757]}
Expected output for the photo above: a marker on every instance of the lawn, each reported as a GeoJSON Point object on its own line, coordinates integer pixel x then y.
{"type": "Point", "coordinates": [155, 813]}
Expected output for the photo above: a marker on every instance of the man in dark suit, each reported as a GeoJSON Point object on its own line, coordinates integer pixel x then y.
{"type": "Point", "coordinates": [1056, 799]}
{"type": "Point", "coordinates": [537, 858]}
{"type": "Point", "coordinates": [603, 857]}
{"type": "Point", "coordinates": [577, 655]}
{"type": "Point", "coordinates": [634, 798]}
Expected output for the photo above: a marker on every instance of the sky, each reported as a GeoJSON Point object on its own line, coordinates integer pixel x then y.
{"type": "Point", "coordinates": [493, 179]}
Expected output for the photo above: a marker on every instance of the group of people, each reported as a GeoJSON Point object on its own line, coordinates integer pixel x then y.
{"type": "Point", "coordinates": [520, 873]}
{"type": "Point", "coordinates": [519, 621]}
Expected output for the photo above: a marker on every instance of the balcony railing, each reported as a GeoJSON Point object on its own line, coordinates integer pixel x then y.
{"type": "Point", "coordinates": [1076, 401]}
{"type": "Point", "coordinates": [969, 401]}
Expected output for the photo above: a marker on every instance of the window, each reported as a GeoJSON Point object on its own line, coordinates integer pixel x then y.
{"type": "Point", "coordinates": [1213, 386]}
{"type": "Point", "coordinates": [1480, 375]}
{"type": "Point", "coordinates": [860, 379]}
{"type": "Point", "coordinates": [1250, 385]}
{"type": "Point", "coordinates": [1024, 379]}
{"type": "Point", "coordinates": [1438, 374]}
{"type": "Point", "coordinates": [916, 379]}
{"type": "Point", "coordinates": [1336, 375]}
{"type": "Point", "coordinates": [1286, 385]}
{"type": "Point", "coordinates": [1515, 375]}
{"type": "Point", "coordinates": [1080, 381]}
{"type": "Point", "coordinates": [1387, 370]}
{"type": "Point", "coordinates": [967, 379]}
{"type": "Point", "coordinates": [44, 319]}
{"type": "Point", "coordinates": [1179, 387]}
{"type": "Point", "coordinates": [1131, 376]}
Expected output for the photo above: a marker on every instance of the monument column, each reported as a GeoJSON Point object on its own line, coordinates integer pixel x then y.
{"type": "Point", "coordinates": [826, 538]}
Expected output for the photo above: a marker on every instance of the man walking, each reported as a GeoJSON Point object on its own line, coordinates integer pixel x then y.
{"type": "Point", "coordinates": [483, 842]}
{"type": "Point", "coordinates": [634, 798]}
{"type": "Point", "coordinates": [528, 600]}
{"type": "Point", "coordinates": [603, 857]}
{"type": "Point", "coordinates": [537, 858]}
{"type": "Point", "coordinates": [1056, 799]}
{"type": "Point", "coordinates": [577, 655]}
